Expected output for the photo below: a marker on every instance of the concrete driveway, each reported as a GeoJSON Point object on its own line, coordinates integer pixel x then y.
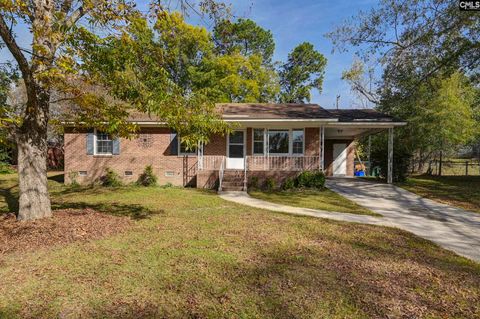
{"type": "Point", "coordinates": [450, 227]}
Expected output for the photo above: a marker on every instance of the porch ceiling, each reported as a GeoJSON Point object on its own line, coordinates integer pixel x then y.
{"type": "Point", "coordinates": [341, 132]}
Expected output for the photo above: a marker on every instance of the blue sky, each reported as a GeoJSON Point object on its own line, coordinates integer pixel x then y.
{"type": "Point", "coordinates": [295, 21]}
{"type": "Point", "coordinates": [291, 22]}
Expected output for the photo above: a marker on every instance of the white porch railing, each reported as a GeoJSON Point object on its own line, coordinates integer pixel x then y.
{"type": "Point", "coordinates": [220, 173]}
{"type": "Point", "coordinates": [211, 162]}
{"type": "Point", "coordinates": [283, 163]}
{"type": "Point", "coordinates": [264, 163]}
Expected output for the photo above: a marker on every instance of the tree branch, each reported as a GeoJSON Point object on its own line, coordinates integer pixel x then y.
{"type": "Point", "coordinates": [14, 49]}
{"type": "Point", "coordinates": [66, 6]}
{"type": "Point", "coordinates": [75, 16]}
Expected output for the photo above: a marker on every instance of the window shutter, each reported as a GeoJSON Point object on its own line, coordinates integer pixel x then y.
{"type": "Point", "coordinates": [173, 143]}
{"type": "Point", "coordinates": [116, 146]}
{"type": "Point", "coordinates": [90, 141]}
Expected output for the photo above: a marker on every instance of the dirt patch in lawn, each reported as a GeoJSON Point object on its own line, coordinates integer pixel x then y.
{"type": "Point", "coordinates": [66, 226]}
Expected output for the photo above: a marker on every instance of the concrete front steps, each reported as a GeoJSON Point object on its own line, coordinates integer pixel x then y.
{"type": "Point", "coordinates": [233, 180]}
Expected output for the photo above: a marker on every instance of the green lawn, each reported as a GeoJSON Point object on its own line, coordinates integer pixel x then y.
{"type": "Point", "coordinates": [316, 199]}
{"type": "Point", "coordinates": [461, 191]}
{"type": "Point", "coordinates": [197, 256]}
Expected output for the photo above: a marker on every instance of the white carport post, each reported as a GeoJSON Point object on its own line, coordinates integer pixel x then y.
{"type": "Point", "coordinates": [390, 156]}
{"type": "Point", "coordinates": [200, 155]}
{"type": "Point", "coordinates": [322, 147]}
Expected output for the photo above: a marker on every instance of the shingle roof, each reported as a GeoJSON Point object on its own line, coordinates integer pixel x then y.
{"type": "Point", "coordinates": [284, 111]}
{"type": "Point", "coordinates": [273, 111]}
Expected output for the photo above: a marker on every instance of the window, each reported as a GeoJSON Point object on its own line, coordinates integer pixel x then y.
{"type": "Point", "coordinates": [128, 173]}
{"type": "Point", "coordinates": [297, 141]}
{"type": "Point", "coordinates": [278, 141]}
{"type": "Point", "coordinates": [82, 173]}
{"type": "Point", "coordinates": [258, 141]}
{"type": "Point", "coordinates": [184, 150]}
{"type": "Point", "coordinates": [236, 144]}
{"type": "Point", "coordinates": [104, 143]}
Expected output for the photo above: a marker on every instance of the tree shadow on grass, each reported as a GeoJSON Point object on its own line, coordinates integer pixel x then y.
{"type": "Point", "coordinates": [59, 178]}
{"type": "Point", "coordinates": [10, 198]}
{"type": "Point", "coordinates": [134, 211]}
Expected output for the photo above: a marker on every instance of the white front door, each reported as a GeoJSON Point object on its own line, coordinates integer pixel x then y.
{"type": "Point", "coordinates": [339, 159]}
{"type": "Point", "coordinates": [236, 150]}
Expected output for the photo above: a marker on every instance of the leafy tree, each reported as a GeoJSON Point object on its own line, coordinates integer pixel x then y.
{"type": "Point", "coordinates": [237, 78]}
{"type": "Point", "coordinates": [244, 36]}
{"type": "Point", "coordinates": [444, 113]}
{"type": "Point", "coordinates": [303, 71]}
{"type": "Point", "coordinates": [55, 62]}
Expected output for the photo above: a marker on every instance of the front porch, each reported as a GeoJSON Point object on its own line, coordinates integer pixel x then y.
{"type": "Point", "coordinates": [278, 152]}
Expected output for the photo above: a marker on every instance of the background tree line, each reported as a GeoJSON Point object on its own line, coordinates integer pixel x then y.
{"type": "Point", "coordinates": [418, 61]}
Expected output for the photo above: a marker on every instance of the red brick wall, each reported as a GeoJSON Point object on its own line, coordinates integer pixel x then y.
{"type": "Point", "coordinates": [329, 156]}
{"type": "Point", "coordinates": [135, 154]}
{"type": "Point", "coordinates": [207, 179]}
{"type": "Point", "coordinates": [216, 146]}
{"type": "Point", "coordinates": [249, 141]}
{"type": "Point", "coordinates": [312, 141]}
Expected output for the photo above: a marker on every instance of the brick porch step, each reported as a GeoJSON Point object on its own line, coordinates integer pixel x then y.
{"type": "Point", "coordinates": [232, 183]}
{"type": "Point", "coordinates": [232, 188]}
{"type": "Point", "coordinates": [233, 180]}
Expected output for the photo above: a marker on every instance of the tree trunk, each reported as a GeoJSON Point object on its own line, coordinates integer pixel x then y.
{"type": "Point", "coordinates": [34, 201]}
{"type": "Point", "coordinates": [440, 164]}
{"type": "Point", "coordinates": [31, 136]}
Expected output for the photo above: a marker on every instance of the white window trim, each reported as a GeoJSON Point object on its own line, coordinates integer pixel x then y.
{"type": "Point", "coordinates": [95, 131]}
{"type": "Point", "coordinates": [303, 142]}
{"type": "Point", "coordinates": [290, 142]}
{"type": "Point", "coordinates": [264, 142]}
{"type": "Point", "coordinates": [180, 153]}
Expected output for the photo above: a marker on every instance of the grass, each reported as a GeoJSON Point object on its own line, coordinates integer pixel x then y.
{"type": "Point", "coordinates": [324, 199]}
{"type": "Point", "coordinates": [461, 191]}
{"type": "Point", "coordinates": [197, 256]}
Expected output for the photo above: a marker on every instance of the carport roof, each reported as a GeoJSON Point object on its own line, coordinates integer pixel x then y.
{"type": "Point", "coordinates": [361, 115]}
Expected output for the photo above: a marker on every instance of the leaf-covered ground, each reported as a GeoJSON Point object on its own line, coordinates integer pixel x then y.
{"type": "Point", "coordinates": [189, 254]}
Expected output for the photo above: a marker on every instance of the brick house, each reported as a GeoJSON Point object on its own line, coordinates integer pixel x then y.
{"type": "Point", "coordinates": [269, 140]}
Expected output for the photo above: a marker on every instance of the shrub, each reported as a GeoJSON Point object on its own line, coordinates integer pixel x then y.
{"type": "Point", "coordinates": [147, 178]}
{"type": "Point", "coordinates": [311, 179]}
{"type": "Point", "coordinates": [253, 182]}
{"type": "Point", "coordinates": [167, 185]}
{"type": "Point", "coordinates": [270, 184]}
{"type": "Point", "coordinates": [6, 168]}
{"type": "Point", "coordinates": [289, 183]}
{"type": "Point", "coordinates": [73, 179]}
{"type": "Point", "coordinates": [318, 180]}
{"type": "Point", "coordinates": [401, 158]}
{"type": "Point", "coordinates": [303, 180]}
{"type": "Point", "coordinates": [111, 179]}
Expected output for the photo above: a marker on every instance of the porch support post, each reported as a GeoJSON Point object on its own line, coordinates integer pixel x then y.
{"type": "Point", "coordinates": [390, 156]}
{"type": "Point", "coordinates": [200, 156]}
{"type": "Point", "coordinates": [369, 155]}
{"type": "Point", "coordinates": [322, 147]}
